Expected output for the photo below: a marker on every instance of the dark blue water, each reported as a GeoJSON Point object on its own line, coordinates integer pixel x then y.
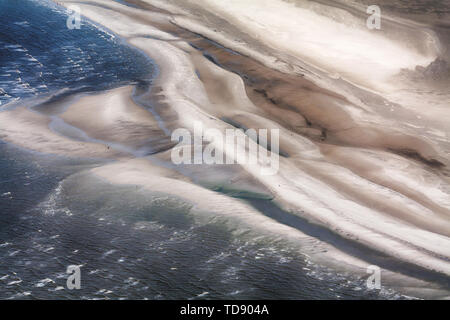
{"type": "Point", "coordinates": [130, 243]}
{"type": "Point", "coordinates": [39, 54]}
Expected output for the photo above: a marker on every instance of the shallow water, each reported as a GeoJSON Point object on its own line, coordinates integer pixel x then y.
{"type": "Point", "coordinates": [40, 55]}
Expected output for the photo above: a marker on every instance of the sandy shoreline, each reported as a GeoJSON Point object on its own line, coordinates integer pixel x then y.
{"type": "Point", "coordinates": [350, 165]}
